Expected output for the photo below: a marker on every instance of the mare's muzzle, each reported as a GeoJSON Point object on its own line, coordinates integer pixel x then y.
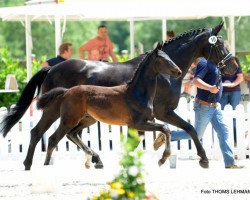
{"type": "Point", "coordinates": [222, 64]}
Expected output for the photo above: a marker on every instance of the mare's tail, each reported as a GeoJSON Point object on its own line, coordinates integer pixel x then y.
{"type": "Point", "coordinates": [49, 98]}
{"type": "Point", "coordinates": [16, 113]}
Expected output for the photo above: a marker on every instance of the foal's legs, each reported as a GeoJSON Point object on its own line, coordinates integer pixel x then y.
{"type": "Point", "coordinates": [69, 120]}
{"type": "Point", "coordinates": [90, 154]}
{"type": "Point", "coordinates": [48, 117]}
{"type": "Point", "coordinates": [152, 126]}
{"type": "Point", "coordinates": [172, 118]}
{"type": "Point", "coordinates": [77, 131]}
{"type": "Point", "coordinates": [74, 136]}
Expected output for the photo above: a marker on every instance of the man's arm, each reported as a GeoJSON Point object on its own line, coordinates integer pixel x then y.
{"type": "Point", "coordinates": [237, 81]}
{"type": "Point", "coordinates": [81, 51]}
{"type": "Point", "coordinates": [199, 83]}
{"type": "Point", "coordinates": [113, 56]}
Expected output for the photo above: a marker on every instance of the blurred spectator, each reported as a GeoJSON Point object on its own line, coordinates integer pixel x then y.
{"type": "Point", "coordinates": [231, 88]}
{"type": "Point", "coordinates": [170, 35]}
{"type": "Point", "coordinates": [101, 43]}
{"type": "Point", "coordinates": [65, 52]}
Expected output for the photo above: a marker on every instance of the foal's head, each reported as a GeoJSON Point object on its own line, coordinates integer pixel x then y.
{"type": "Point", "coordinates": [163, 63]}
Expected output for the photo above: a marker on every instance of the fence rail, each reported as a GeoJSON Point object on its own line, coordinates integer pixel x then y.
{"type": "Point", "coordinates": [104, 138]}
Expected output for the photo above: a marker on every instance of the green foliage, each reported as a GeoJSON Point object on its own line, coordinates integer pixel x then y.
{"type": "Point", "coordinates": [6, 3]}
{"type": "Point", "coordinates": [13, 38]}
{"type": "Point", "coordinates": [129, 183]}
{"type": "Point", "coordinates": [123, 57]}
{"type": "Point", "coordinates": [10, 66]}
{"type": "Point", "coordinates": [245, 64]}
{"type": "Point", "coordinates": [147, 32]}
{"type": "Point", "coordinates": [119, 34]}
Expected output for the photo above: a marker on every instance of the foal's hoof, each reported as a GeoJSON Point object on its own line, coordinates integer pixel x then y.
{"type": "Point", "coordinates": [204, 163]}
{"type": "Point", "coordinates": [161, 162]}
{"type": "Point", "coordinates": [159, 141]}
{"type": "Point", "coordinates": [87, 165]}
{"type": "Point", "coordinates": [99, 165]}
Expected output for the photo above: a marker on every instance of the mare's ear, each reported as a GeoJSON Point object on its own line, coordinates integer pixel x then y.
{"type": "Point", "coordinates": [217, 28]}
{"type": "Point", "coordinates": [159, 46]}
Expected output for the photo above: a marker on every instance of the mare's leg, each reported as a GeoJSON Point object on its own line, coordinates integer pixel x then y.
{"type": "Point", "coordinates": [48, 117]}
{"type": "Point", "coordinates": [75, 136]}
{"type": "Point", "coordinates": [152, 126]}
{"type": "Point", "coordinates": [172, 118]}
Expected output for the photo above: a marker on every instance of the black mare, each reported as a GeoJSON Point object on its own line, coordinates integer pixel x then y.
{"type": "Point", "coordinates": [183, 50]}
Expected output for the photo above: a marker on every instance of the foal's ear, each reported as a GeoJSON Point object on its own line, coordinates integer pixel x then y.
{"type": "Point", "coordinates": [217, 28]}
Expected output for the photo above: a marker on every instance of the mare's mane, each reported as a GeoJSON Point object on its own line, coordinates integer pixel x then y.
{"type": "Point", "coordinates": [184, 37]}
{"type": "Point", "coordinates": [174, 42]}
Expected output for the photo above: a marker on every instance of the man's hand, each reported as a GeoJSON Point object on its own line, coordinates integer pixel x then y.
{"type": "Point", "coordinates": [228, 84]}
{"type": "Point", "coordinates": [214, 89]}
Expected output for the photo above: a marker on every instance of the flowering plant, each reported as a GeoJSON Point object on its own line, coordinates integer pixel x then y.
{"type": "Point", "coordinates": [129, 183]}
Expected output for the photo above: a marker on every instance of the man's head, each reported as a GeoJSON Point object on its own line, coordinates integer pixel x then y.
{"type": "Point", "coordinates": [102, 32]}
{"type": "Point", "coordinates": [65, 50]}
{"type": "Point", "coordinates": [170, 35]}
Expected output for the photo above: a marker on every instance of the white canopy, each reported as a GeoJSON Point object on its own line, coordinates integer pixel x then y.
{"type": "Point", "coordinates": [123, 10]}
{"type": "Point", "coordinates": [130, 10]}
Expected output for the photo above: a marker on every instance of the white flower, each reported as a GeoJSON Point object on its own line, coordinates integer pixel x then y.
{"type": "Point", "coordinates": [133, 171]}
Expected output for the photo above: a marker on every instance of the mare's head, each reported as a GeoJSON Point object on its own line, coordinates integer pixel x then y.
{"type": "Point", "coordinates": [185, 48]}
{"type": "Point", "coordinates": [163, 64]}
{"type": "Point", "coordinates": [215, 51]}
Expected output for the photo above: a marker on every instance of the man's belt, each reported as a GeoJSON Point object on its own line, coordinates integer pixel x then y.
{"type": "Point", "coordinates": [206, 103]}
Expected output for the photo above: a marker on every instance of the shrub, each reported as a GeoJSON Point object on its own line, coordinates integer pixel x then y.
{"type": "Point", "coordinates": [245, 65]}
{"type": "Point", "coordinates": [8, 65]}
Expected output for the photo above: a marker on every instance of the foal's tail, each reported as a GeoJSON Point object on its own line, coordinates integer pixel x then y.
{"type": "Point", "coordinates": [16, 113]}
{"type": "Point", "coordinates": [50, 97]}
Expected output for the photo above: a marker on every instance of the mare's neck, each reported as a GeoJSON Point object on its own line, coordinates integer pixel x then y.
{"type": "Point", "coordinates": [184, 54]}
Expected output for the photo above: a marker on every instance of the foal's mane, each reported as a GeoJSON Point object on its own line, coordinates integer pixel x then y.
{"type": "Point", "coordinates": [143, 61]}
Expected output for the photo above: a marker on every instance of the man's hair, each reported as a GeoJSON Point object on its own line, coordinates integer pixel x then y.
{"type": "Point", "coordinates": [64, 47]}
{"type": "Point", "coordinates": [102, 26]}
{"type": "Point", "coordinates": [170, 33]}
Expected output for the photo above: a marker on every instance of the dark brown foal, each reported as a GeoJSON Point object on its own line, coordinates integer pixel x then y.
{"type": "Point", "coordinates": [130, 104]}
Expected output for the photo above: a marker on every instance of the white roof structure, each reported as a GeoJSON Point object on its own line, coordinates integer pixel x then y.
{"type": "Point", "coordinates": [123, 10]}
{"type": "Point", "coordinates": [129, 10]}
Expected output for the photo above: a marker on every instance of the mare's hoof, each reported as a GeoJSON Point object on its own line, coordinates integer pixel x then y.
{"type": "Point", "coordinates": [204, 163]}
{"type": "Point", "coordinates": [95, 158]}
{"type": "Point", "coordinates": [27, 168]}
{"type": "Point", "coordinates": [99, 165]}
